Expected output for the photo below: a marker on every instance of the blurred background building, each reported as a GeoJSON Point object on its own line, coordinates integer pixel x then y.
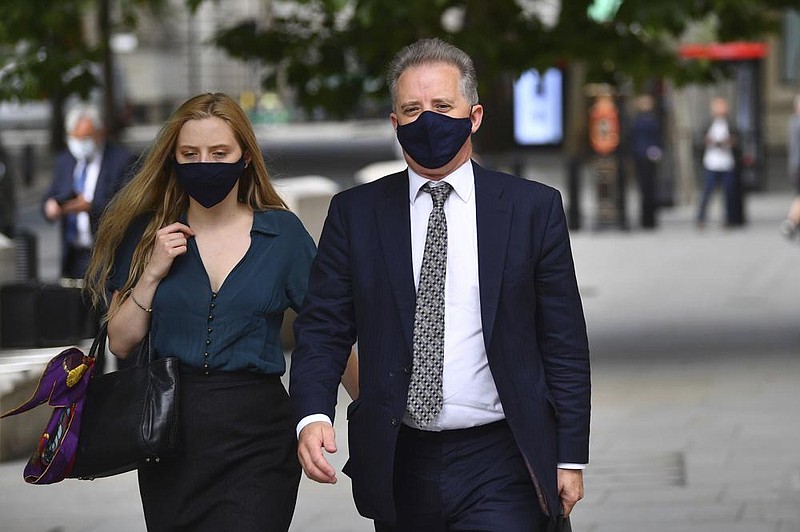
{"type": "Point", "coordinates": [171, 56]}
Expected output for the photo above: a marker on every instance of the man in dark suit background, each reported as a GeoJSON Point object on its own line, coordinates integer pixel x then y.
{"type": "Point", "coordinates": [87, 175]}
{"type": "Point", "coordinates": [645, 145]}
{"type": "Point", "coordinates": [459, 286]}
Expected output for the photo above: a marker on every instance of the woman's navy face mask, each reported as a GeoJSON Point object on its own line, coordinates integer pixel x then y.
{"type": "Point", "coordinates": [208, 183]}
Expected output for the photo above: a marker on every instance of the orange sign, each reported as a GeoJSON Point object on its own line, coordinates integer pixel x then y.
{"type": "Point", "coordinates": [604, 126]}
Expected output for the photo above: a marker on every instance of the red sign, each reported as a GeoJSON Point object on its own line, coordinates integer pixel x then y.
{"type": "Point", "coordinates": [728, 51]}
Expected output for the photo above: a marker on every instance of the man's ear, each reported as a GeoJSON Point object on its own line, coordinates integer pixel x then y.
{"type": "Point", "coordinates": [393, 119]}
{"type": "Point", "coordinates": [476, 116]}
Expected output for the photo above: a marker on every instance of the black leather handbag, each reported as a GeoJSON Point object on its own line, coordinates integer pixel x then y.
{"type": "Point", "coordinates": [130, 416]}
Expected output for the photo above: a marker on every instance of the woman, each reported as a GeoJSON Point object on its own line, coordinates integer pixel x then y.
{"type": "Point", "coordinates": [200, 251]}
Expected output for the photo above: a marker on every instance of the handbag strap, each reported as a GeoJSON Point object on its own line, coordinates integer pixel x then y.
{"type": "Point", "coordinates": [145, 350]}
{"type": "Point", "coordinates": [98, 349]}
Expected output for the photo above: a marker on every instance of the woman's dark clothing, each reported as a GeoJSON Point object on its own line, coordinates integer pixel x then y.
{"type": "Point", "coordinates": [236, 468]}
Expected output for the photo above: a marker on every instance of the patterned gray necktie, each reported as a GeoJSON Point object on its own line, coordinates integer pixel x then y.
{"type": "Point", "coordinates": [425, 389]}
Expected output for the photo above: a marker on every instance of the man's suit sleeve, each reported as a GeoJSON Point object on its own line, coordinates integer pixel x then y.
{"type": "Point", "coordinates": [325, 327]}
{"type": "Point", "coordinates": [61, 184]}
{"type": "Point", "coordinates": [561, 335]}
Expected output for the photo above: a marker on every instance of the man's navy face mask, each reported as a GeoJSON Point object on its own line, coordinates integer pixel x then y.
{"type": "Point", "coordinates": [208, 183]}
{"type": "Point", "coordinates": [434, 139]}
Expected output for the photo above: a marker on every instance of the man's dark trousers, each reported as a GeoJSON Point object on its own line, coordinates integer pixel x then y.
{"type": "Point", "coordinates": [459, 480]}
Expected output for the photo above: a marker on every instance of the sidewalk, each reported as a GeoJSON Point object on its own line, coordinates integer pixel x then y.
{"type": "Point", "coordinates": [695, 353]}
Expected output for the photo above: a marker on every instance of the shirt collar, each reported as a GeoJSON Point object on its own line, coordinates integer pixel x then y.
{"type": "Point", "coordinates": [462, 179]}
{"type": "Point", "coordinates": [263, 222]}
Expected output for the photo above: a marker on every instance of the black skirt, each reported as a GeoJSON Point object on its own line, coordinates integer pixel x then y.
{"type": "Point", "coordinates": [237, 466]}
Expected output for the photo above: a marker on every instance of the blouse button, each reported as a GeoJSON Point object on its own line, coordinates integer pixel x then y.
{"type": "Point", "coordinates": [205, 355]}
{"type": "Point", "coordinates": [210, 317]}
{"type": "Point", "coordinates": [208, 341]}
{"type": "Point", "coordinates": [209, 330]}
{"type": "Point", "coordinates": [213, 305]}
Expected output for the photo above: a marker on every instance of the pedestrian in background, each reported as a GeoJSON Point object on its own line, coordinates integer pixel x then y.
{"type": "Point", "coordinates": [792, 222]}
{"type": "Point", "coordinates": [86, 176]}
{"type": "Point", "coordinates": [719, 164]}
{"type": "Point", "coordinates": [646, 149]}
{"type": "Point", "coordinates": [459, 284]}
{"type": "Point", "coordinates": [201, 252]}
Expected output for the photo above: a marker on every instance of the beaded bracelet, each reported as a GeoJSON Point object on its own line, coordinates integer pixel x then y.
{"type": "Point", "coordinates": [148, 310]}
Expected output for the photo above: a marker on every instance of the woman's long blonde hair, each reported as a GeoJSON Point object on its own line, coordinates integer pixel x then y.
{"type": "Point", "coordinates": [154, 191]}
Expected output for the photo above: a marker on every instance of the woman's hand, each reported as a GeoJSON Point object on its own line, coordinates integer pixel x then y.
{"type": "Point", "coordinates": [171, 241]}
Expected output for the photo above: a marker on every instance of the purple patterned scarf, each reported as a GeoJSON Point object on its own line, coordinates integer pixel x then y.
{"type": "Point", "coordinates": [63, 386]}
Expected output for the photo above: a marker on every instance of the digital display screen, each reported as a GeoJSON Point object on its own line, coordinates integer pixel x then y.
{"type": "Point", "coordinates": [539, 108]}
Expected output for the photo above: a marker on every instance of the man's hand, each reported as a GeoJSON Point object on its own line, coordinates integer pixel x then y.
{"type": "Point", "coordinates": [313, 438]}
{"type": "Point", "coordinates": [52, 210]}
{"type": "Point", "coordinates": [570, 488]}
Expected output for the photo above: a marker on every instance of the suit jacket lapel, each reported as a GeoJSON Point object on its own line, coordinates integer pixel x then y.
{"type": "Point", "coordinates": [394, 226]}
{"type": "Point", "coordinates": [494, 221]}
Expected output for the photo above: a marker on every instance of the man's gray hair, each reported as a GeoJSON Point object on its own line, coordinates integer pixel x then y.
{"type": "Point", "coordinates": [427, 51]}
{"type": "Point", "coordinates": [81, 111]}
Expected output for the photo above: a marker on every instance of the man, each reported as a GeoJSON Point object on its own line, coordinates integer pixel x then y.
{"type": "Point", "coordinates": [86, 177]}
{"type": "Point", "coordinates": [645, 141]}
{"type": "Point", "coordinates": [719, 163]}
{"type": "Point", "coordinates": [474, 384]}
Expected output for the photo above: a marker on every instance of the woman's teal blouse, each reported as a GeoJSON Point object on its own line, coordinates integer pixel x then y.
{"type": "Point", "coordinates": [238, 327]}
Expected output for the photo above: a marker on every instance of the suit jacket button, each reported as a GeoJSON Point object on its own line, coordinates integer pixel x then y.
{"type": "Point", "coordinates": [407, 370]}
{"type": "Point", "coordinates": [391, 373]}
{"type": "Point", "coordinates": [394, 421]}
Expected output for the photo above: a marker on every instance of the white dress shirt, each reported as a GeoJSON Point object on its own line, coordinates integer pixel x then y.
{"type": "Point", "coordinates": [469, 394]}
{"type": "Point", "coordinates": [84, 238]}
